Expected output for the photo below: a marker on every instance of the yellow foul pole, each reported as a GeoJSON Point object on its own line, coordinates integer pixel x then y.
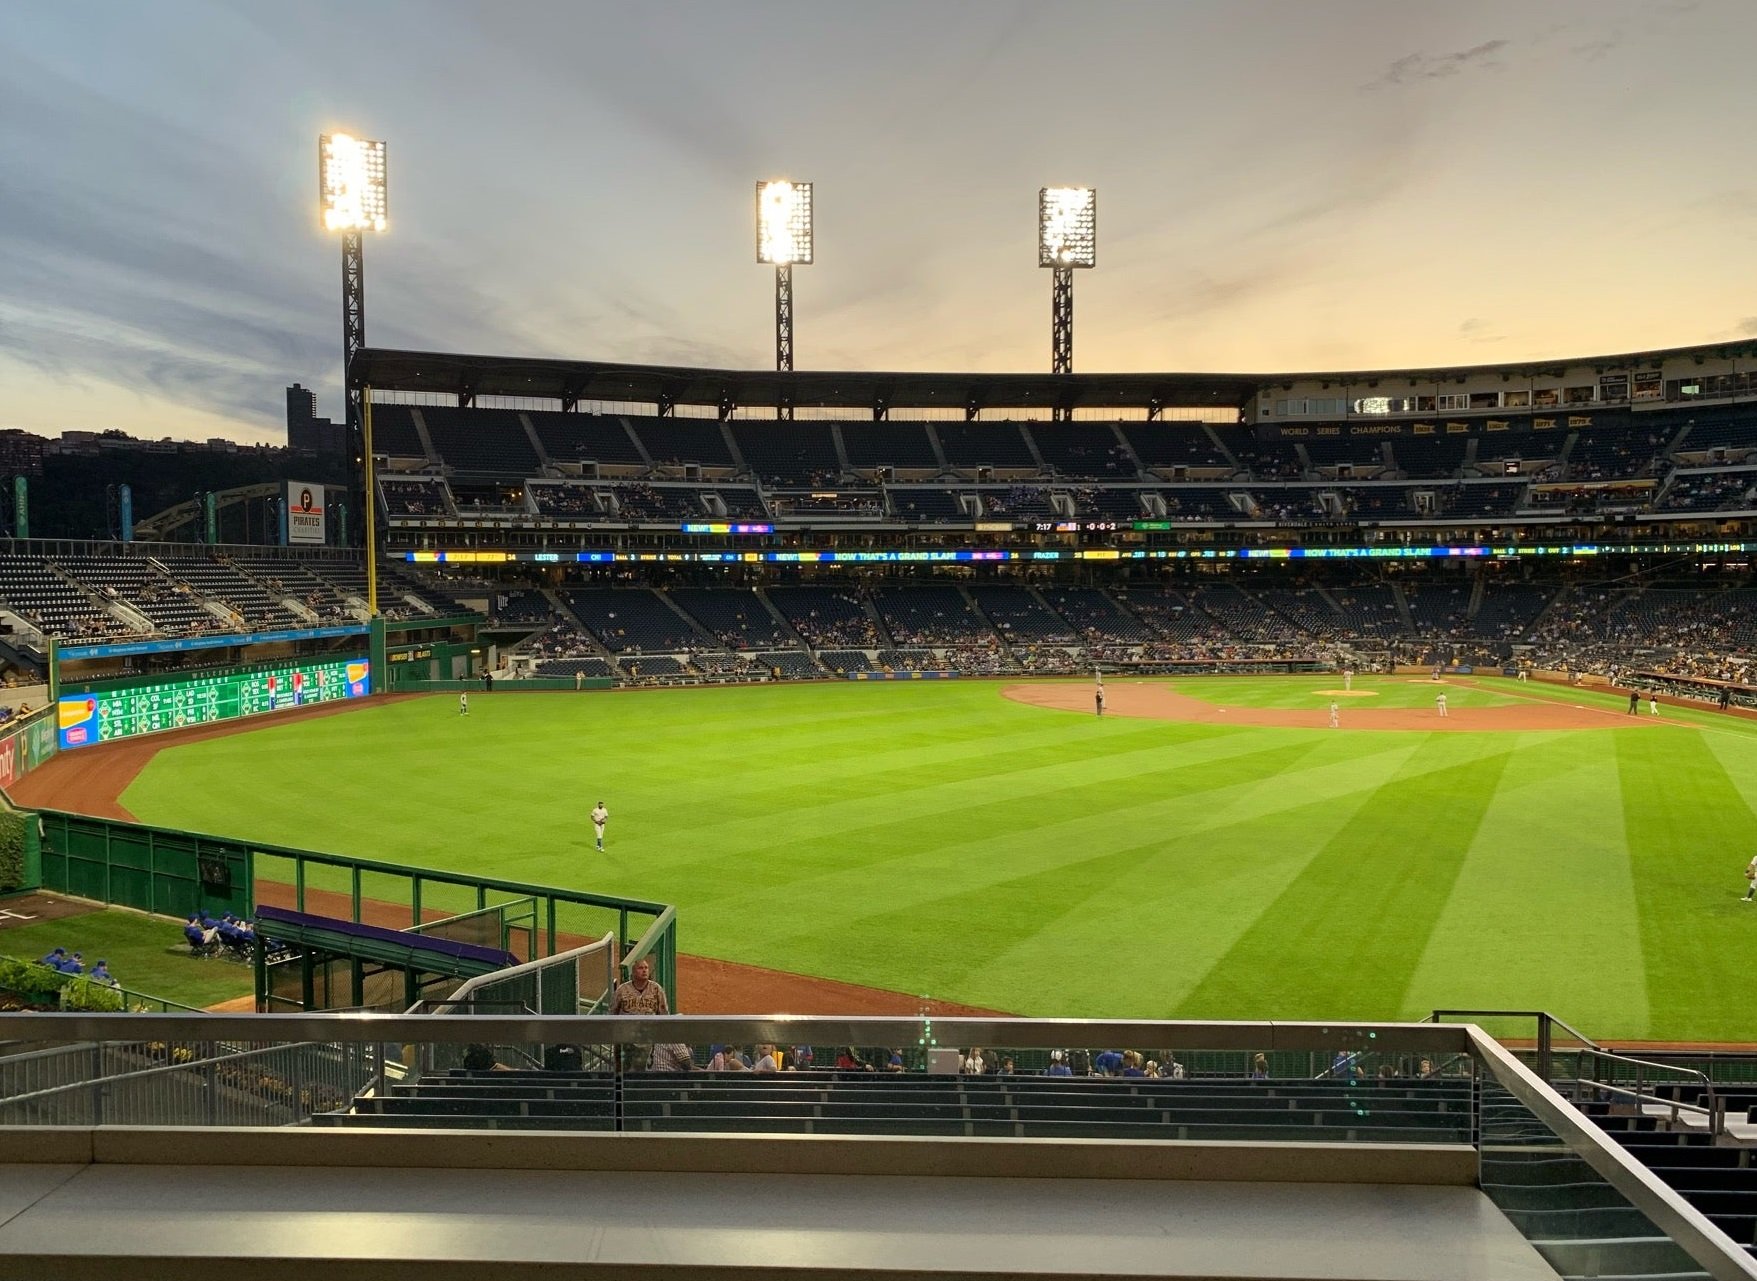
{"type": "Point", "coordinates": [371, 505]}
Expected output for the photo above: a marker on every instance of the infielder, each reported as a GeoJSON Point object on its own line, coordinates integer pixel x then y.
{"type": "Point", "coordinates": [1098, 694]}
{"type": "Point", "coordinates": [600, 816]}
{"type": "Point", "coordinates": [1652, 704]}
{"type": "Point", "coordinates": [1440, 705]}
{"type": "Point", "coordinates": [1751, 876]}
{"type": "Point", "coordinates": [1335, 716]}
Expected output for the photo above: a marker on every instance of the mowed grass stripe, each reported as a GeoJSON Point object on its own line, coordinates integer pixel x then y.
{"type": "Point", "coordinates": [1553, 828]}
{"type": "Point", "coordinates": [1690, 833]}
{"type": "Point", "coordinates": [1344, 936]}
{"type": "Point", "coordinates": [980, 846]}
{"type": "Point", "coordinates": [1159, 915]}
{"type": "Point", "coordinates": [1039, 793]}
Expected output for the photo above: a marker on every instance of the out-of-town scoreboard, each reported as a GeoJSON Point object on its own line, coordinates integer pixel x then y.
{"type": "Point", "coordinates": [103, 715]}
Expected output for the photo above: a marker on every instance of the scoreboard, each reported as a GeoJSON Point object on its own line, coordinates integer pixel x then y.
{"type": "Point", "coordinates": [103, 715]}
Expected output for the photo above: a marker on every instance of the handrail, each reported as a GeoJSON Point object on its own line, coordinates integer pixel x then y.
{"type": "Point", "coordinates": [474, 985]}
{"type": "Point", "coordinates": [158, 1069]}
{"type": "Point", "coordinates": [1715, 1108]}
{"type": "Point", "coordinates": [1640, 1096]}
{"type": "Point", "coordinates": [1544, 1016]}
{"type": "Point", "coordinates": [780, 1029]}
{"type": "Point", "coordinates": [1682, 1222]}
{"type": "Point", "coordinates": [655, 932]}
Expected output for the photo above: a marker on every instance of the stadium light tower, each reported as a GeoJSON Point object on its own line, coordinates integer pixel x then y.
{"type": "Point", "coordinates": [783, 237]}
{"type": "Point", "coordinates": [351, 198]}
{"type": "Point", "coordinates": [1067, 237]}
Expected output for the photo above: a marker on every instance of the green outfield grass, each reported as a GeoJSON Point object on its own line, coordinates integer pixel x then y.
{"type": "Point", "coordinates": [939, 838]}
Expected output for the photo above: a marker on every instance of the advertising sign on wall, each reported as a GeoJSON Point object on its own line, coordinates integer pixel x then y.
{"type": "Point", "coordinates": [304, 513]}
{"type": "Point", "coordinates": [100, 716]}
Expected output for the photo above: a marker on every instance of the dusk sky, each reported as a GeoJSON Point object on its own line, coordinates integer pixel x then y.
{"type": "Point", "coordinates": [1283, 184]}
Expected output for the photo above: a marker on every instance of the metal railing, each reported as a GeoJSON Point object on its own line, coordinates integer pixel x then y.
{"type": "Point", "coordinates": [1590, 1056]}
{"type": "Point", "coordinates": [1520, 1121]}
{"type": "Point", "coordinates": [1712, 1110]}
{"type": "Point", "coordinates": [574, 982]}
{"type": "Point", "coordinates": [186, 1083]}
{"type": "Point", "coordinates": [1544, 1025]}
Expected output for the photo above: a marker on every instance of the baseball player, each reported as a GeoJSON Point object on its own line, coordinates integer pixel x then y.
{"type": "Point", "coordinates": [1652, 703]}
{"type": "Point", "coordinates": [463, 704]}
{"type": "Point", "coordinates": [1751, 876]}
{"type": "Point", "coordinates": [1440, 704]}
{"type": "Point", "coordinates": [1335, 716]}
{"type": "Point", "coordinates": [600, 816]}
{"type": "Point", "coordinates": [1347, 679]}
{"type": "Point", "coordinates": [1098, 694]}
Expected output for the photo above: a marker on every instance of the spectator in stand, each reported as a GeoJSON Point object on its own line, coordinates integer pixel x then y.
{"type": "Point", "coordinates": [480, 1058]}
{"type": "Point", "coordinates": [672, 1057]}
{"type": "Point", "coordinates": [640, 996]}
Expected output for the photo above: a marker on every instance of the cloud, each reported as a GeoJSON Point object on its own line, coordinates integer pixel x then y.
{"type": "Point", "coordinates": [1476, 329]}
{"type": "Point", "coordinates": [1593, 50]}
{"type": "Point", "coordinates": [1429, 66]}
{"type": "Point", "coordinates": [1747, 327]}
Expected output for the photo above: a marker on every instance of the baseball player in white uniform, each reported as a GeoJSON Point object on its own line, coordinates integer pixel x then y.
{"type": "Point", "coordinates": [1440, 704]}
{"type": "Point", "coordinates": [1335, 716]}
{"type": "Point", "coordinates": [600, 816]}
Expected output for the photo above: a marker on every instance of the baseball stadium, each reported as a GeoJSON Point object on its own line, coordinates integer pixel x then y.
{"type": "Point", "coordinates": [606, 819]}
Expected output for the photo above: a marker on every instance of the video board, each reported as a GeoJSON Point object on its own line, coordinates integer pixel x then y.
{"type": "Point", "coordinates": [101, 716]}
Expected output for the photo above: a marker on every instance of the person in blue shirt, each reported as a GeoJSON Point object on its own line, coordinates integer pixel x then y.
{"type": "Point", "coordinates": [1058, 1065]}
{"type": "Point", "coordinates": [74, 964]}
{"type": "Point", "coordinates": [100, 973]}
{"type": "Point", "coordinates": [1109, 1063]}
{"type": "Point", "coordinates": [53, 959]}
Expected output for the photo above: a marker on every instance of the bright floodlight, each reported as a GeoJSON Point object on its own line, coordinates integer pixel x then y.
{"type": "Point", "coordinates": [350, 178]}
{"type": "Point", "coordinates": [1067, 227]}
{"type": "Point", "coordinates": [783, 223]}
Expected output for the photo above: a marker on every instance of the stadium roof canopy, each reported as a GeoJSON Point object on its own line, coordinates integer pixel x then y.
{"type": "Point", "coordinates": [576, 380]}
{"type": "Point", "coordinates": [573, 381]}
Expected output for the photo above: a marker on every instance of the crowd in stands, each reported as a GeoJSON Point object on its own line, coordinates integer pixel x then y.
{"type": "Point", "coordinates": [763, 1058]}
{"type": "Point", "coordinates": [415, 497]}
{"type": "Point", "coordinates": [992, 630]}
{"type": "Point", "coordinates": [574, 502]}
{"type": "Point", "coordinates": [859, 503]}
{"type": "Point", "coordinates": [643, 502]}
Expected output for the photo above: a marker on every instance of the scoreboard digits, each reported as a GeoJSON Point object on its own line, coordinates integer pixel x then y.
{"type": "Point", "coordinates": [103, 715]}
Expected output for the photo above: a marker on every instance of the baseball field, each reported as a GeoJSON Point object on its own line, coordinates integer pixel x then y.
{"type": "Point", "coordinates": [1209, 848]}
